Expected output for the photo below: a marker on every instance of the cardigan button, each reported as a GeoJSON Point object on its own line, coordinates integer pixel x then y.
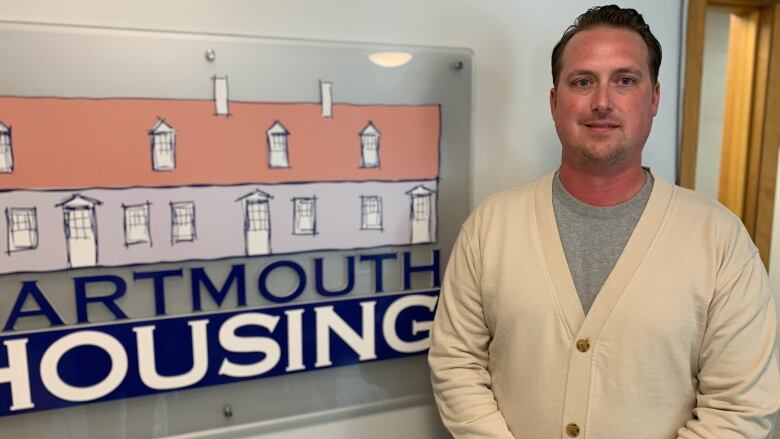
{"type": "Point", "coordinates": [573, 430]}
{"type": "Point", "coordinates": [583, 345]}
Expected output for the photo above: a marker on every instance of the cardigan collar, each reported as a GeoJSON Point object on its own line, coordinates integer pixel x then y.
{"type": "Point", "coordinates": [633, 255]}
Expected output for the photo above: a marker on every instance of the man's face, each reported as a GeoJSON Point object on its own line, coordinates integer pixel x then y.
{"type": "Point", "coordinates": [605, 101]}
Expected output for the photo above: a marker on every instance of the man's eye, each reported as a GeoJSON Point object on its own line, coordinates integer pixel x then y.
{"type": "Point", "coordinates": [581, 83]}
{"type": "Point", "coordinates": [626, 81]}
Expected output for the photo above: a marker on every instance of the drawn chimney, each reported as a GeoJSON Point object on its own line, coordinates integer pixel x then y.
{"type": "Point", "coordinates": [326, 98]}
{"type": "Point", "coordinates": [221, 96]}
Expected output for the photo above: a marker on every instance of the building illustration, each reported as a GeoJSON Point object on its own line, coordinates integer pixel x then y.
{"type": "Point", "coordinates": [118, 181]}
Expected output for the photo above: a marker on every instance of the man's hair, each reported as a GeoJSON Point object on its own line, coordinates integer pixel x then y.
{"type": "Point", "coordinates": [610, 16]}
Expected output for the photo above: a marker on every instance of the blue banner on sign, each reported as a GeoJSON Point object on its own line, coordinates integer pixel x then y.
{"type": "Point", "coordinates": [58, 368]}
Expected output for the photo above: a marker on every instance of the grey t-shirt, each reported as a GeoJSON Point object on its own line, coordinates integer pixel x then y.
{"type": "Point", "coordinates": [593, 237]}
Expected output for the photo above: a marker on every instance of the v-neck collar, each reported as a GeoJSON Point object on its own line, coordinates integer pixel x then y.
{"type": "Point", "coordinates": [633, 254]}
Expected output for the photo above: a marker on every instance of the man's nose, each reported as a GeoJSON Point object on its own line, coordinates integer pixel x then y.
{"type": "Point", "coordinates": [602, 100]}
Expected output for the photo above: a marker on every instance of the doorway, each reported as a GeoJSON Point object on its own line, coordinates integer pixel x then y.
{"type": "Point", "coordinates": [729, 144]}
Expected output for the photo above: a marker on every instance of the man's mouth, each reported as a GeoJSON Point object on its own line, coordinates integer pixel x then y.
{"type": "Point", "coordinates": [601, 125]}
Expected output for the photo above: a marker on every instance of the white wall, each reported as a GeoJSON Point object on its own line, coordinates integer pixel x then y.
{"type": "Point", "coordinates": [713, 100]}
{"type": "Point", "coordinates": [514, 139]}
{"type": "Point", "coordinates": [774, 270]}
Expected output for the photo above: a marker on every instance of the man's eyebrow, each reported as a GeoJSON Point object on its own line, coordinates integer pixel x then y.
{"type": "Point", "coordinates": [636, 72]}
{"type": "Point", "coordinates": [581, 72]}
{"type": "Point", "coordinates": [620, 71]}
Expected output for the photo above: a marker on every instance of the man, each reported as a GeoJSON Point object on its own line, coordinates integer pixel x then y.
{"type": "Point", "coordinates": [602, 301]}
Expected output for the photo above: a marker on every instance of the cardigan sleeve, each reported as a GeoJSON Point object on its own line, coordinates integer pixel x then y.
{"type": "Point", "coordinates": [458, 356]}
{"type": "Point", "coordinates": [738, 393]}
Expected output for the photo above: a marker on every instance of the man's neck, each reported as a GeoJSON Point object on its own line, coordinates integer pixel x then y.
{"type": "Point", "coordinates": [606, 188]}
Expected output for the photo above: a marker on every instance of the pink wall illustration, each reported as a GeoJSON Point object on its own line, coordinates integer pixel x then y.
{"type": "Point", "coordinates": [108, 182]}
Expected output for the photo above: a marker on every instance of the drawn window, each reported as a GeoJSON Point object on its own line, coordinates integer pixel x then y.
{"type": "Point", "coordinates": [369, 146]}
{"type": "Point", "coordinates": [22, 228]}
{"type": "Point", "coordinates": [79, 223]}
{"type": "Point", "coordinates": [257, 216]}
{"type": "Point", "coordinates": [183, 221]}
{"type": "Point", "coordinates": [163, 139]}
{"type": "Point", "coordinates": [277, 146]}
{"type": "Point", "coordinates": [137, 224]}
{"type": "Point", "coordinates": [6, 156]}
{"type": "Point", "coordinates": [304, 216]}
{"type": "Point", "coordinates": [421, 207]}
{"type": "Point", "coordinates": [371, 212]}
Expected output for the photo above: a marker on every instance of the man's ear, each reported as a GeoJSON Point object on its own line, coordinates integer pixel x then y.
{"type": "Point", "coordinates": [656, 97]}
{"type": "Point", "coordinates": [553, 101]}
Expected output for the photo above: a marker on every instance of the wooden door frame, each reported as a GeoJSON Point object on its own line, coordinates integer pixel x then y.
{"type": "Point", "coordinates": [755, 201]}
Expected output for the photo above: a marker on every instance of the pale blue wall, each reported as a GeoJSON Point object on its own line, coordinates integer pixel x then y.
{"type": "Point", "coordinates": [219, 222]}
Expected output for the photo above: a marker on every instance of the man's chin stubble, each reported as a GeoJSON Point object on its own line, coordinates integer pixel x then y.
{"type": "Point", "coordinates": [616, 157]}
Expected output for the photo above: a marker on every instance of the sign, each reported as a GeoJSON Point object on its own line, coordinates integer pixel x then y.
{"type": "Point", "coordinates": [172, 222]}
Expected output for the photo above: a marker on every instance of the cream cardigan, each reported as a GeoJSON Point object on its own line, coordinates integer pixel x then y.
{"type": "Point", "coordinates": [680, 342]}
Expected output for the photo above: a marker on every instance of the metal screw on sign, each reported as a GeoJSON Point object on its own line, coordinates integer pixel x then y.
{"type": "Point", "coordinates": [227, 410]}
{"type": "Point", "coordinates": [211, 55]}
{"type": "Point", "coordinates": [457, 65]}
